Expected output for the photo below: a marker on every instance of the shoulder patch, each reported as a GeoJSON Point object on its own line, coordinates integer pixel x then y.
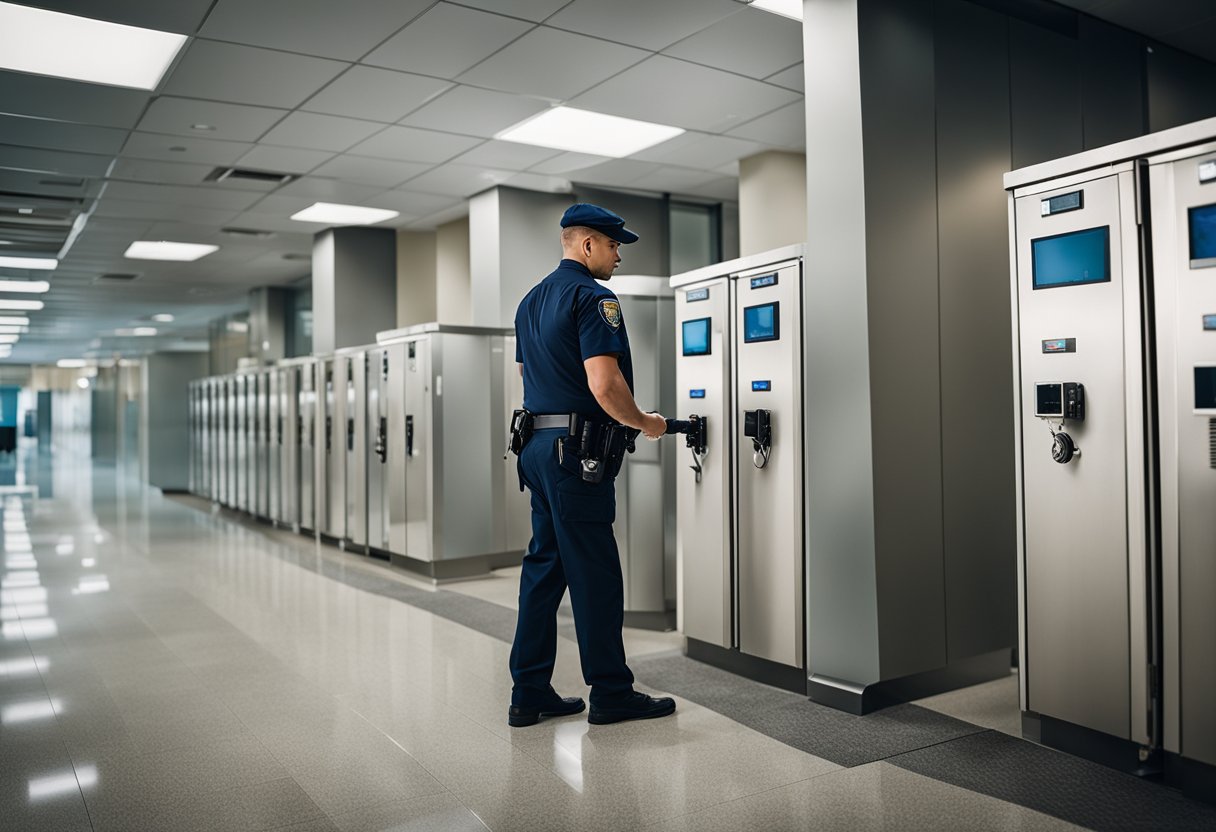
{"type": "Point", "coordinates": [610, 311]}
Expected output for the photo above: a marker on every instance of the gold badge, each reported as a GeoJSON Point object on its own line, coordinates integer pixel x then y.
{"type": "Point", "coordinates": [610, 310]}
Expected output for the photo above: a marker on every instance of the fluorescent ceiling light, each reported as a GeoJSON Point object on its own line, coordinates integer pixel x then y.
{"type": "Point", "coordinates": [9, 339]}
{"type": "Point", "coordinates": [163, 318]}
{"type": "Point", "coordinates": [21, 305]}
{"type": "Point", "coordinates": [66, 46]}
{"type": "Point", "coordinates": [44, 263]}
{"type": "Point", "coordinates": [17, 320]}
{"type": "Point", "coordinates": [5, 329]}
{"type": "Point", "coordinates": [71, 363]}
{"type": "Point", "coordinates": [582, 131]}
{"type": "Point", "coordinates": [144, 330]}
{"type": "Point", "coordinates": [32, 287]}
{"type": "Point", "coordinates": [162, 250]}
{"type": "Point", "coordinates": [82, 383]}
{"type": "Point", "coordinates": [332, 213]}
{"type": "Point", "coordinates": [785, 8]}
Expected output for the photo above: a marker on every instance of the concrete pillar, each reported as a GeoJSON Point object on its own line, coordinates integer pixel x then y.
{"type": "Point", "coordinates": [910, 542]}
{"type": "Point", "coordinates": [104, 422]}
{"type": "Point", "coordinates": [165, 418]}
{"type": "Point", "coordinates": [453, 274]}
{"type": "Point", "coordinates": [416, 264]}
{"type": "Point", "coordinates": [268, 311]}
{"type": "Point", "coordinates": [772, 201]}
{"type": "Point", "coordinates": [354, 286]}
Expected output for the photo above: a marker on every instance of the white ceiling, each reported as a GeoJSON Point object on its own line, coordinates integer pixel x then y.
{"type": "Point", "coordinates": [387, 103]}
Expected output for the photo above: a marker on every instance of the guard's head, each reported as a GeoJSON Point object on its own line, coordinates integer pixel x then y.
{"type": "Point", "coordinates": [591, 235]}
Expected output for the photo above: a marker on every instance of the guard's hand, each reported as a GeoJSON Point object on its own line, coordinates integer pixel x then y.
{"type": "Point", "coordinates": [654, 426]}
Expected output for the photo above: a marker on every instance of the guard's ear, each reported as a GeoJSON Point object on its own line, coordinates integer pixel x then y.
{"type": "Point", "coordinates": [587, 246]}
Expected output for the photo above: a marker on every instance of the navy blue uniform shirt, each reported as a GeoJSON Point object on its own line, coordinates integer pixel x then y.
{"type": "Point", "coordinates": [567, 318]}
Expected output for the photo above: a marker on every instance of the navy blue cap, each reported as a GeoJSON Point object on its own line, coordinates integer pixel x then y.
{"type": "Point", "coordinates": [601, 219]}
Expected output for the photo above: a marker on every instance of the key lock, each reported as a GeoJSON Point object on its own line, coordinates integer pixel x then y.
{"type": "Point", "coordinates": [1055, 403]}
{"type": "Point", "coordinates": [758, 426]}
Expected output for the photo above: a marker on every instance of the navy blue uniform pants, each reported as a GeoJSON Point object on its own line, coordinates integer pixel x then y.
{"type": "Point", "coordinates": [572, 546]}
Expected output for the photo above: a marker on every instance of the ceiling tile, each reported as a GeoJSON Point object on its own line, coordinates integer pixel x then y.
{"type": "Point", "coordinates": [506, 155]}
{"type": "Point", "coordinates": [538, 182]}
{"type": "Point", "coordinates": [33, 95]}
{"type": "Point", "coordinates": [54, 161]}
{"type": "Point", "coordinates": [726, 188]}
{"type": "Point", "coordinates": [412, 145]}
{"type": "Point", "coordinates": [792, 78]}
{"type": "Point", "coordinates": [345, 30]}
{"type": "Point", "coordinates": [320, 132]}
{"type": "Point", "coordinates": [783, 128]}
{"type": "Point", "coordinates": [200, 151]}
{"type": "Point", "coordinates": [459, 180]}
{"type": "Point", "coordinates": [684, 94]}
{"type": "Point", "coordinates": [753, 43]}
{"type": "Point", "coordinates": [643, 23]}
{"type": "Point", "coordinates": [329, 190]}
{"type": "Point", "coordinates": [368, 171]}
{"type": "Point", "coordinates": [181, 195]}
{"type": "Point", "coordinates": [675, 180]}
{"type": "Point", "coordinates": [528, 65]}
{"type": "Point", "coordinates": [124, 209]}
{"type": "Point", "coordinates": [702, 152]}
{"type": "Point", "coordinates": [536, 10]}
{"type": "Point", "coordinates": [618, 172]}
{"type": "Point", "coordinates": [375, 94]}
{"type": "Point", "coordinates": [413, 203]}
{"type": "Point", "coordinates": [174, 173]}
{"type": "Point", "coordinates": [180, 16]}
{"type": "Point", "coordinates": [564, 163]}
{"type": "Point", "coordinates": [235, 122]}
{"type": "Point", "coordinates": [285, 159]}
{"type": "Point", "coordinates": [243, 74]}
{"type": "Point", "coordinates": [61, 135]}
{"type": "Point", "coordinates": [276, 222]}
{"type": "Point", "coordinates": [446, 41]}
{"type": "Point", "coordinates": [474, 112]}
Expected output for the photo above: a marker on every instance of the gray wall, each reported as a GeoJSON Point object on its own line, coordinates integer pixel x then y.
{"type": "Point", "coordinates": [269, 307]}
{"type": "Point", "coordinates": [165, 417]}
{"type": "Point", "coordinates": [949, 94]}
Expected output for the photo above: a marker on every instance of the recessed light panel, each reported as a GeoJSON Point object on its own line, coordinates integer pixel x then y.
{"type": "Point", "coordinates": [14, 320]}
{"type": "Point", "coordinates": [22, 305]}
{"type": "Point", "coordinates": [163, 318]}
{"type": "Point", "coordinates": [9, 339]}
{"type": "Point", "coordinates": [162, 250]}
{"type": "Point", "coordinates": [332, 213]}
{"type": "Point", "coordinates": [61, 45]}
{"type": "Point", "coordinates": [71, 363]}
{"type": "Point", "coordinates": [786, 8]}
{"type": "Point", "coordinates": [32, 287]}
{"type": "Point", "coordinates": [583, 131]}
{"type": "Point", "coordinates": [43, 263]}
{"type": "Point", "coordinates": [13, 330]}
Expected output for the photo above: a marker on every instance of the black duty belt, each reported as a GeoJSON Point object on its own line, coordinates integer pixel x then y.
{"type": "Point", "coordinates": [545, 421]}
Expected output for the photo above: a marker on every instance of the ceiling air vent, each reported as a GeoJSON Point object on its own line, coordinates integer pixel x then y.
{"type": "Point", "coordinates": [266, 177]}
{"type": "Point", "coordinates": [252, 233]}
{"type": "Point", "coordinates": [115, 277]}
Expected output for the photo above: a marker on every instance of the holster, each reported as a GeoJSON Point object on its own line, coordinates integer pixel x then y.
{"type": "Point", "coordinates": [521, 432]}
{"type": "Point", "coordinates": [599, 448]}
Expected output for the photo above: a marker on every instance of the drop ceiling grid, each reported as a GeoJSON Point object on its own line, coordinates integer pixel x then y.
{"type": "Point", "coordinates": [155, 187]}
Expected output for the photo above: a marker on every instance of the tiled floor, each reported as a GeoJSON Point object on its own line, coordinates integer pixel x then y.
{"type": "Point", "coordinates": [166, 668]}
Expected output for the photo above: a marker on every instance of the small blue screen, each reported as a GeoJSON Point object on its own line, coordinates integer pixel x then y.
{"type": "Point", "coordinates": [1203, 232]}
{"type": "Point", "coordinates": [760, 323]}
{"type": "Point", "coordinates": [696, 394]}
{"type": "Point", "coordinates": [1072, 259]}
{"type": "Point", "coordinates": [696, 337]}
{"type": "Point", "coordinates": [762, 386]}
{"type": "Point", "coordinates": [761, 282]}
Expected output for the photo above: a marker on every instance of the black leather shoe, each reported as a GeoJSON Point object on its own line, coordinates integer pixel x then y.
{"type": "Point", "coordinates": [636, 706]}
{"type": "Point", "coordinates": [520, 716]}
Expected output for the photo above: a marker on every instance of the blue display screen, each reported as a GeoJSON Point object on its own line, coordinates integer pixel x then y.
{"type": "Point", "coordinates": [760, 323]}
{"type": "Point", "coordinates": [1203, 233]}
{"type": "Point", "coordinates": [695, 337]}
{"type": "Point", "coordinates": [1072, 259]}
{"type": "Point", "coordinates": [696, 394]}
{"type": "Point", "coordinates": [762, 386]}
{"type": "Point", "coordinates": [767, 280]}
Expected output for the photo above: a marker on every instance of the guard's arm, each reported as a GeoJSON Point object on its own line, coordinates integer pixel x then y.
{"type": "Point", "coordinates": [612, 392]}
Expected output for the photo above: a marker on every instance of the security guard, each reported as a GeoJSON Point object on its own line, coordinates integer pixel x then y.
{"type": "Point", "coordinates": [578, 383]}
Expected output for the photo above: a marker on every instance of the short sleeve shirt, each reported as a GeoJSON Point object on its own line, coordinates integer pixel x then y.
{"type": "Point", "coordinates": [565, 319]}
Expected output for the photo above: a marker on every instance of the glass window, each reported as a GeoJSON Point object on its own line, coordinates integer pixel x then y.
{"type": "Point", "coordinates": [1071, 259]}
